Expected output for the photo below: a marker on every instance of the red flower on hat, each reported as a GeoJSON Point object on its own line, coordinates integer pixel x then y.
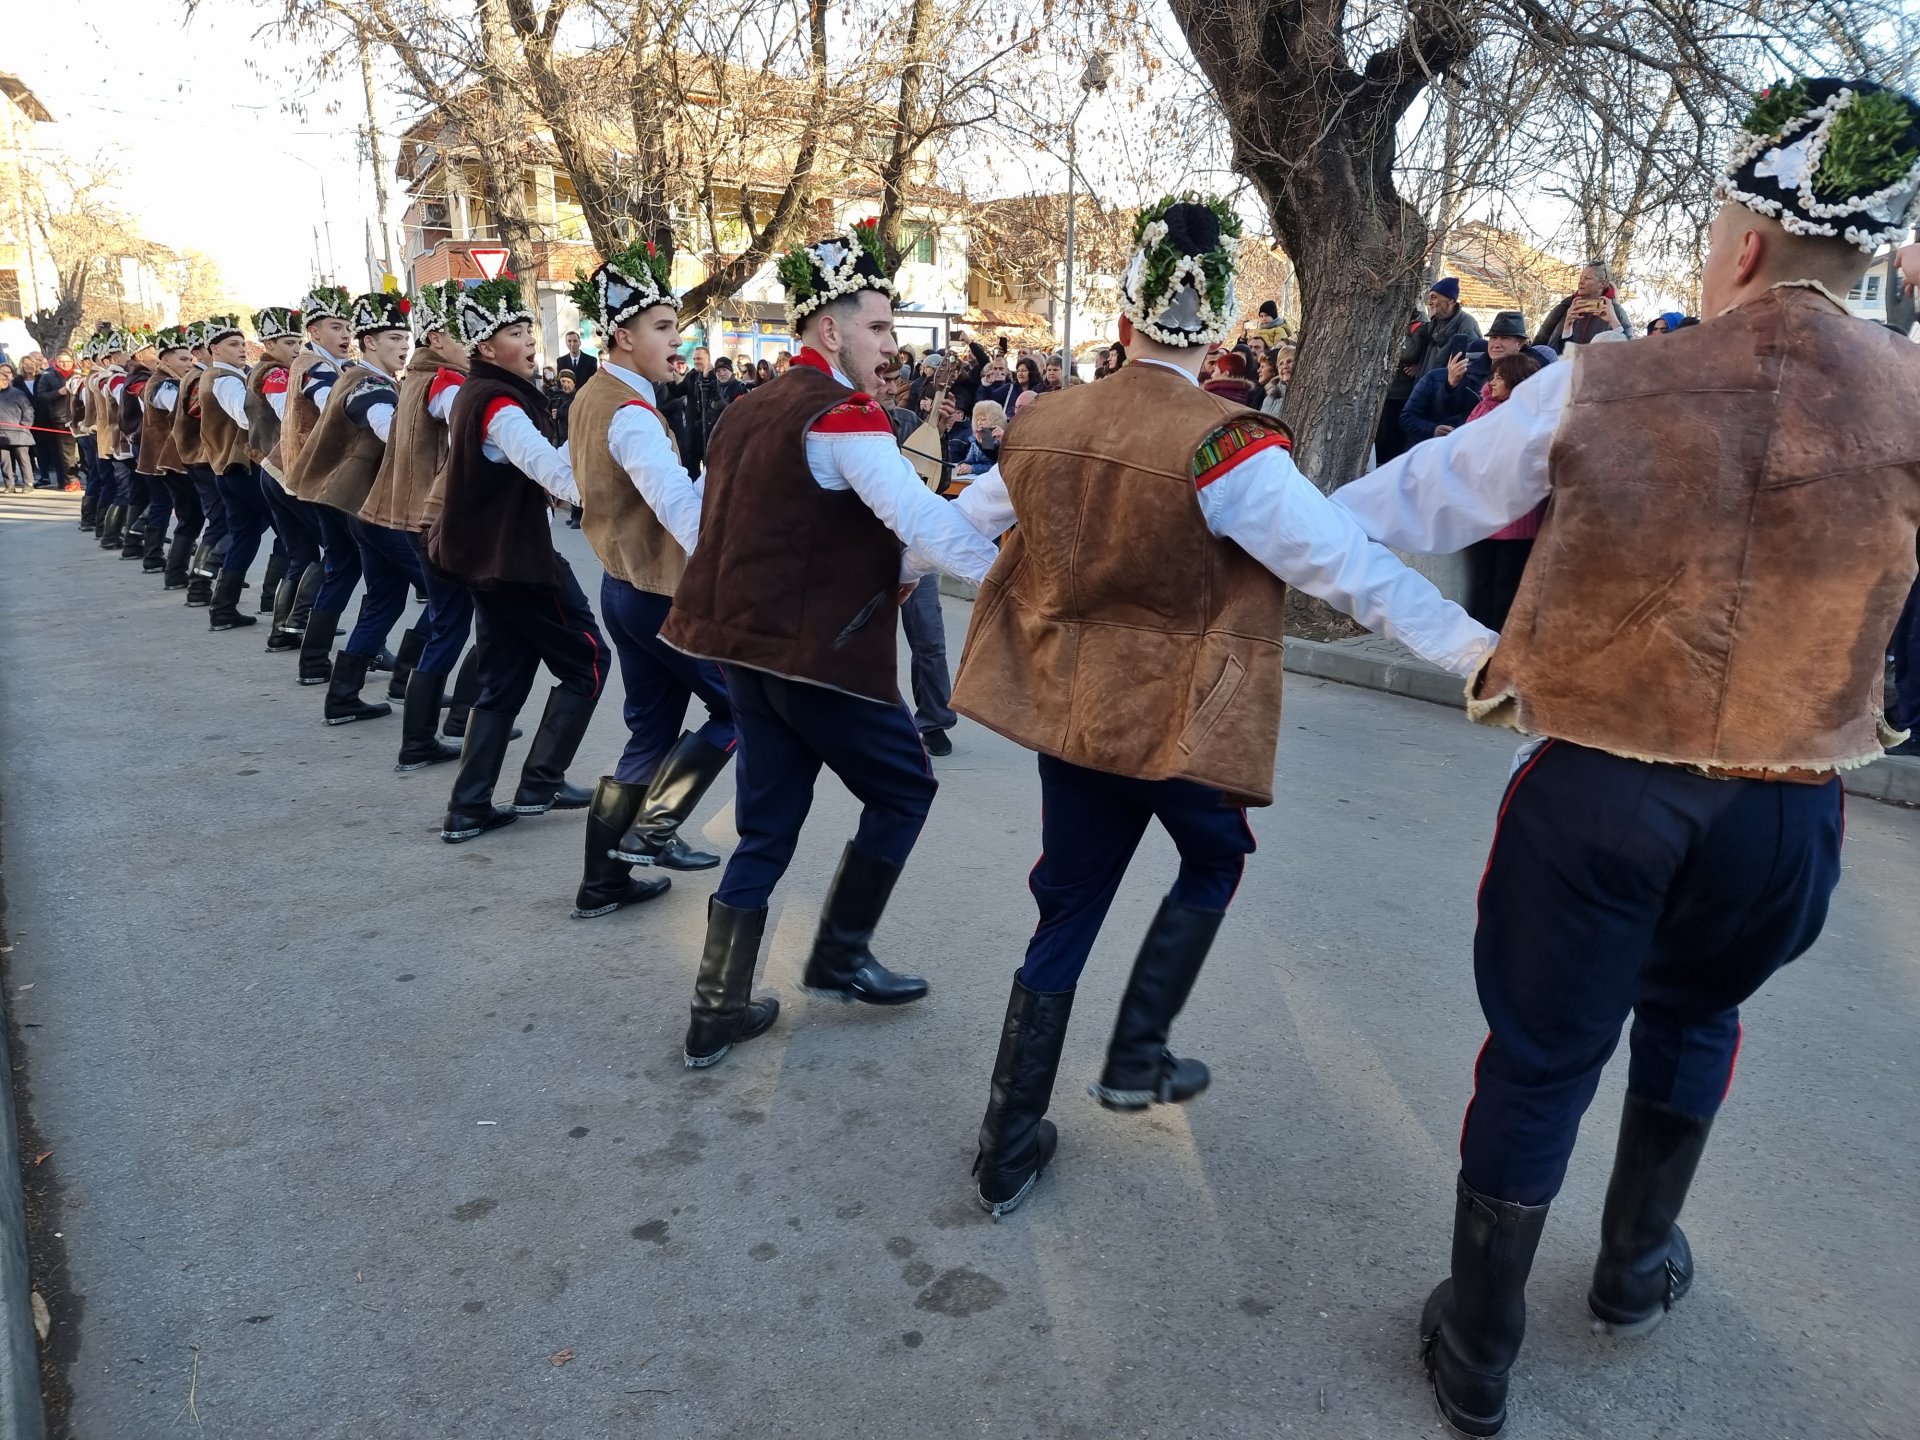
{"type": "Point", "coordinates": [406, 307]}
{"type": "Point", "coordinates": [650, 249]}
{"type": "Point", "coordinates": [869, 223]}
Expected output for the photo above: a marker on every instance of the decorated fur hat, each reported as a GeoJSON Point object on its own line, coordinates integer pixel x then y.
{"type": "Point", "coordinates": [219, 327]}
{"type": "Point", "coordinates": [138, 338]}
{"type": "Point", "coordinates": [490, 307]}
{"type": "Point", "coordinates": [828, 270]}
{"type": "Point", "coordinates": [433, 310]}
{"type": "Point", "coordinates": [114, 341]}
{"type": "Point", "coordinates": [1829, 157]}
{"type": "Point", "coordinates": [1178, 288]}
{"type": "Point", "coordinates": [174, 337]}
{"type": "Point", "coordinates": [276, 322]}
{"type": "Point", "coordinates": [325, 302]}
{"type": "Point", "coordinates": [379, 310]}
{"type": "Point", "coordinates": [194, 331]}
{"type": "Point", "coordinates": [633, 280]}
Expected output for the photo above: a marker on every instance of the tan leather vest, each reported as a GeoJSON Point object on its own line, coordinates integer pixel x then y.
{"type": "Point", "coordinates": [186, 418]}
{"type": "Point", "coordinates": [302, 414]}
{"type": "Point", "coordinates": [107, 420]}
{"type": "Point", "coordinates": [1728, 545]}
{"type": "Point", "coordinates": [403, 495]}
{"type": "Point", "coordinates": [263, 426]}
{"type": "Point", "coordinates": [222, 440]}
{"type": "Point", "coordinates": [625, 533]}
{"type": "Point", "coordinates": [1116, 631]}
{"type": "Point", "coordinates": [339, 460]}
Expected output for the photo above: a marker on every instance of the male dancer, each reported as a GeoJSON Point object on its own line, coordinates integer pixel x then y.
{"type": "Point", "coordinates": [1170, 710]}
{"type": "Point", "coordinates": [1698, 643]}
{"type": "Point", "coordinates": [310, 379]}
{"type": "Point", "coordinates": [224, 443]}
{"type": "Point", "coordinates": [278, 329]}
{"type": "Point", "coordinates": [168, 488]}
{"type": "Point", "coordinates": [403, 500]}
{"type": "Point", "coordinates": [503, 471]}
{"type": "Point", "coordinates": [188, 412]}
{"type": "Point", "coordinates": [795, 588]}
{"type": "Point", "coordinates": [642, 517]}
{"type": "Point", "coordinates": [335, 472]}
{"type": "Point", "coordinates": [109, 515]}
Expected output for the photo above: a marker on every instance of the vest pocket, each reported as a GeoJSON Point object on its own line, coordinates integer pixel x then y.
{"type": "Point", "coordinates": [854, 625]}
{"type": "Point", "coordinates": [1213, 707]}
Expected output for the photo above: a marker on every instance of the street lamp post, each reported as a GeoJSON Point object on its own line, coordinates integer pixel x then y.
{"type": "Point", "coordinates": [1094, 77]}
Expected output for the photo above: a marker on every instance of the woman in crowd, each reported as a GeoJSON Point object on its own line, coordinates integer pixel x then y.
{"type": "Point", "coordinates": [1272, 388]}
{"type": "Point", "coordinates": [983, 446]}
{"type": "Point", "coordinates": [1026, 377]}
{"type": "Point", "coordinates": [16, 434]}
{"type": "Point", "coordinates": [1591, 310]}
{"type": "Point", "coordinates": [1494, 565]}
{"type": "Point", "coordinates": [1229, 380]}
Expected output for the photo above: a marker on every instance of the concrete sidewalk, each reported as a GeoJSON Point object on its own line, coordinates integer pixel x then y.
{"type": "Point", "coordinates": [361, 1136]}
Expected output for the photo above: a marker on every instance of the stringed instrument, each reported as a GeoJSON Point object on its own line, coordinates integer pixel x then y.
{"type": "Point", "coordinates": [926, 447]}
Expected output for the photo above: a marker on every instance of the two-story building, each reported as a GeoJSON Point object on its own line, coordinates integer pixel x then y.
{"type": "Point", "coordinates": [27, 279]}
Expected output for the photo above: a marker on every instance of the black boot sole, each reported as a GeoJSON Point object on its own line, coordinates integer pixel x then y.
{"type": "Point", "coordinates": [1048, 1145]}
{"type": "Point", "coordinates": [239, 623]}
{"type": "Point", "coordinates": [851, 996]}
{"type": "Point", "coordinates": [701, 1062]}
{"type": "Point", "coordinates": [1475, 1427]}
{"type": "Point", "coordinates": [403, 766]}
{"type": "Point", "coordinates": [474, 832]}
{"type": "Point", "coordinates": [372, 712]}
{"type": "Point", "coordinates": [593, 910]}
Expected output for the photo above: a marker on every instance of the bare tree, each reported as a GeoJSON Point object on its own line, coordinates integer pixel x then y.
{"type": "Point", "coordinates": [90, 242]}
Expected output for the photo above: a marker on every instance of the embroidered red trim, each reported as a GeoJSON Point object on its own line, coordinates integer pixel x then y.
{"type": "Point", "coordinates": [443, 381]}
{"type": "Point", "coordinates": [859, 416]}
{"type": "Point", "coordinates": [275, 383]}
{"type": "Point", "coordinates": [1207, 477]}
{"type": "Point", "coordinates": [813, 360]}
{"type": "Point", "coordinates": [495, 406]}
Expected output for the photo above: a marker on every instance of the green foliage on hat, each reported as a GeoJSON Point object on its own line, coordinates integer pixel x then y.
{"type": "Point", "coordinates": [1871, 144]}
{"type": "Point", "coordinates": [1163, 257]}
{"type": "Point", "coordinates": [1777, 107]}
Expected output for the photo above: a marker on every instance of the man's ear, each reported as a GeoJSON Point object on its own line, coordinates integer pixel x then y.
{"type": "Point", "coordinates": [1753, 254]}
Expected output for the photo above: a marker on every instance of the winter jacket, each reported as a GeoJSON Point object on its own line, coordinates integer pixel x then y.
{"type": "Point", "coordinates": [1435, 403]}
{"type": "Point", "coordinates": [1439, 337]}
{"type": "Point", "coordinates": [52, 403]}
{"type": "Point", "coordinates": [16, 415]}
{"type": "Point", "coordinates": [1584, 329]}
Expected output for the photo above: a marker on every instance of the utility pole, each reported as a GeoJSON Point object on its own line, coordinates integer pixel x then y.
{"type": "Point", "coordinates": [373, 153]}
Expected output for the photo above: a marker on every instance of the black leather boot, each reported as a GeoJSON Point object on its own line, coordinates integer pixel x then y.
{"type": "Point", "coordinates": [133, 543]}
{"type": "Point", "coordinates": [543, 779]}
{"type": "Point", "coordinates": [842, 964]}
{"type": "Point", "coordinates": [420, 746]}
{"type": "Point", "coordinates": [280, 634]}
{"type": "Point", "coordinates": [466, 690]}
{"type": "Point", "coordinates": [1016, 1138]}
{"type": "Point", "coordinates": [1473, 1323]}
{"type": "Point", "coordinates": [315, 648]}
{"type": "Point", "coordinates": [343, 704]}
{"type": "Point", "coordinates": [199, 586]}
{"type": "Point", "coordinates": [304, 594]}
{"type": "Point", "coordinates": [1645, 1264]}
{"type": "Point", "coordinates": [177, 551]}
{"type": "Point", "coordinates": [270, 582]}
{"type": "Point", "coordinates": [724, 1014]}
{"type": "Point", "coordinates": [88, 504]}
{"type": "Point", "coordinates": [412, 642]}
{"type": "Point", "coordinates": [226, 613]}
{"type": "Point", "coordinates": [115, 529]}
{"type": "Point", "coordinates": [1140, 1069]}
{"type": "Point", "coordinates": [607, 883]}
{"type": "Point", "coordinates": [153, 544]}
{"type": "Point", "coordinates": [203, 563]}
{"type": "Point", "coordinates": [685, 775]}
{"type": "Point", "coordinates": [470, 809]}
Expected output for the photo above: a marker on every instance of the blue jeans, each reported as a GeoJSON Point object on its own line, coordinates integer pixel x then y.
{"type": "Point", "coordinates": [1619, 887]}
{"type": "Point", "coordinates": [926, 633]}
{"type": "Point", "coordinates": [392, 568]}
{"type": "Point", "coordinates": [246, 515]}
{"type": "Point", "coordinates": [658, 680]}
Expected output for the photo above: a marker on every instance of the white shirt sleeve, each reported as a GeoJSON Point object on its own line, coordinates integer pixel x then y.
{"type": "Point", "coordinates": [441, 406]}
{"type": "Point", "coordinates": [1444, 494]}
{"type": "Point", "coordinates": [513, 433]}
{"type": "Point", "coordinates": [279, 403]}
{"type": "Point", "coordinates": [640, 447]}
{"type": "Point", "coordinates": [1278, 516]}
{"type": "Point", "coordinates": [380, 420]}
{"type": "Point", "coordinates": [161, 397]}
{"type": "Point", "coordinates": [231, 393]}
{"type": "Point", "coordinates": [986, 505]}
{"type": "Point", "coordinates": [872, 466]}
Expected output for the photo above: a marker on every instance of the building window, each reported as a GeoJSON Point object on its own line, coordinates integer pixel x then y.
{"type": "Point", "coordinates": [919, 246]}
{"type": "Point", "coordinates": [10, 294]}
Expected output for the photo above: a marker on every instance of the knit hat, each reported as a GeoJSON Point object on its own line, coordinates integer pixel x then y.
{"type": "Point", "coordinates": [632, 280]}
{"type": "Point", "coordinates": [325, 302]}
{"type": "Point", "coordinates": [218, 328]}
{"type": "Point", "coordinates": [1829, 157]}
{"type": "Point", "coordinates": [1446, 285]}
{"type": "Point", "coordinates": [276, 322]}
{"type": "Point", "coordinates": [433, 310]}
{"type": "Point", "coordinates": [490, 307]}
{"type": "Point", "coordinates": [1508, 322]}
{"type": "Point", "coordinates": [378, 310]}
{"type": "Point", "coordinates": [832, 269]}
{"type": "Point", "coordinates": [1178, 287]}
{"type": "Point", "coordinates": [1545, 354]}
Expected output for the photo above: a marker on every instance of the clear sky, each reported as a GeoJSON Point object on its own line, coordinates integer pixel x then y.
{"type": "Point", "coordinates": [137, 81]}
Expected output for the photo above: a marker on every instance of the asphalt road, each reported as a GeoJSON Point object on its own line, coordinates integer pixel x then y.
{"type": "Point", "coordinates": [361, 1136]}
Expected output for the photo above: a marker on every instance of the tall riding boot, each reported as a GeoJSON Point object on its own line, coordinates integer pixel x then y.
{"type": "Point", "coordinates": [88, 504]}
{"type": "Point", "coordinates": [419, 719]}
{"type": "Point", "coordinates": [115, 529]}
{"type": "Point", "coordinates": [203, 563]}
{"type": "Point", "coordinates": [607, 883]}
{"type": "Point", "coordinates": [842, 963]}
{"type": "Point", "coordinates": [270, 582]}
{"type": "Point", "coordinates": [280, 634]}
{"type": "Point", "coordinates": [133, 541]}
{"type": "Point", "coordinates": [177, 551]}
{"type": "Point", "coordinates": [1140, 1069]}
{"type": "Point", "coordinates": [470, 809]}
{"type": "Point", "coordinates": [153, 547]}
{"type": "Point", "coordinates": [200, 575]}
{"type": "Point", "coordinates": [1645, 1264]}
{"type": "Point", "coordinates": [412, 642]}
{"type": "Point", "coordinates": [1473, 1323]}
{"type": "Point", "coordinates": [304, 594]}
{"type": "Point", "coordinates": [315, 646]}
{"type": "Point", "coordinates": [226, 613]}
{"type": "Point", "coordinates": [466, 690]}
{"type": "Point", "coordinates": [724, 1014]}
{"type": "Point", "coordinates": [685, 775]}
{"type": "Point", "coordinates": [1016, 1140]}
{"type": "Point", "coordinates": [343, 704]}
{"type": "Point", "coordinates": [543, 780]}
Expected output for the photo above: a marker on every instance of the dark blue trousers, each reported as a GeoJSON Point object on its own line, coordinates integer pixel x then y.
{"type": "Point", "coordinates": [211, 506]}
{"type": "Point", "coordinates": [448, 620]}
{"type": "Point", "coordinates": [1905, 649]}
{"type": "Point", "coordinates": [788, 730]}
{"type": "Point", "coordinates": [392, 568]}
{"type": "Point", "coordinates": [89, 461]}
{"type": "Point", "coordinates": [246, 512]}
{"type": "Point", "coordinates": [183, 498]}
{"type": "Point", "coordinates": [1617, 887]}
{"type": "Point", "coordinates": [659, 681]}
{"type": "Point", "coordinates": [100, 483]}
{"type": "Point", "coordinates": [296, 525]}
{"type": "Point", "coordinates": [159, 501]}
{"type": "Point", "coordinates": [340, 554]}
{"type": "Point", "coordinates": [522, 628]}
{"type": "Point", "coordinates": [1090, 825]}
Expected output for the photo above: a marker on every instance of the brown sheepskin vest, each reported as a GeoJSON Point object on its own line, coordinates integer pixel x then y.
{"type": "Point", "coordinates": [302, 414]}
{"type": "Point", "coordinates": [1728, 545]}
{"type": "Point", "coordinates": [340, 458]}
{"type": "Point", "coordinates": [1116, 631]}
{"type": "Point", "coordinates": [263, 426]}
{"type": "Point", "coordinates": [186, 418]}
{"type": "Point", "coordinates": [492, 530]}
{"type": "Point", "coordinates": [106, 419]}
{"type": "Point", "coordinates": [403, 495]}
{"type": "Point", "coordinates": [221, 437]}
{"type": "Point", "coordinates": [157, 455]}
{"type": "Point", "coordinates": [625, 533]}
{"type": "Point", "coordinates": [788, 578]}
